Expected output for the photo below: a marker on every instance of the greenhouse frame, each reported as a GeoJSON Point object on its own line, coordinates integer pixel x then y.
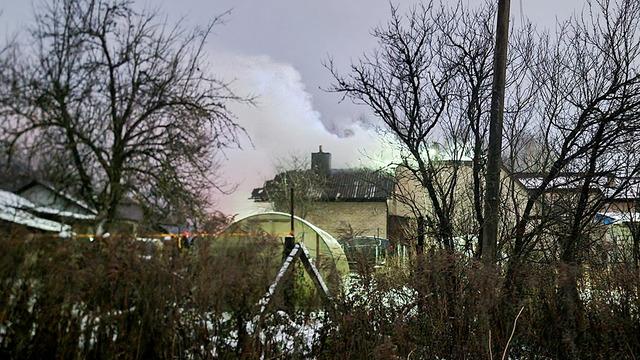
{"type": "Point", "coordinates": [326, 252]}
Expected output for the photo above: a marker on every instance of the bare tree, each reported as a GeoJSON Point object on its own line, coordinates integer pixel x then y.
{"type": "Point", "coordinates": [120, 102]}
{"type": "Point", "coordinates": [294, 172]}
{"type": "Point", "coordinates": [468, 51]}
{"type": "Point", "coordinates": [572, 100]}
{"type": "Point", "coordinates": [430, 82]}
{"type": "Point", "coordinates": [588, 102]}
{"type": "Point", "coordinates": [406, 84]}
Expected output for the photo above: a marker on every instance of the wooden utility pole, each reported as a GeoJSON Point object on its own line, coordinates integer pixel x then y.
{"type": "Point", "coordinates": [291, 204]}
{"type": "Point", "coordinates": [289, 244]}
{"type": "Point", "coordinates": [494, 160]}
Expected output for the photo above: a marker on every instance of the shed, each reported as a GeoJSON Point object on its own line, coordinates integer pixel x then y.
{"type": "Point", "coordinates": [51, 200]}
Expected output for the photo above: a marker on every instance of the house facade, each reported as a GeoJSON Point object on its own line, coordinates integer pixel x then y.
{"type": "Point", "coordinates": [456, 191]}
{"type": "Point", "coordinates": [58, 205]}
{"type": "Point", "coordinates": [363, 202]}
{"type": "Point", "coordinates": [346, 202]}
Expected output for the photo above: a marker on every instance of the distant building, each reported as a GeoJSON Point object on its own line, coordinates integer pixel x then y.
{"type": "Point", "coordinates": [454, 180]}
{"type": "Point", "coordinates": [50, 200]}
{"type": "Point", "coordinates": [350, 202]}
{"type": "Point", "coordinates": [129, 214]}
{"type": "Point", "coordinates": [61, 206]}
{"type": "Point", "coordinates": [354, 203]}
{"type": "Point", "coordinates": [613, 194]}
{"type": "Point", "coordinates": [17, 213]}
{"type": "Point", "coordinates": [616, 199]}
{"type": "Point", "coordinates": [626, 200]}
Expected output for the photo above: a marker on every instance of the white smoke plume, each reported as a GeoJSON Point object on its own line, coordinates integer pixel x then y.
{"type": "Point", "coordinates": [282, 123]}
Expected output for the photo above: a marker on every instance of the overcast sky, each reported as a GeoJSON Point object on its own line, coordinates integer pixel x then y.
{"type": "Point", "coordinates": [274, 49]}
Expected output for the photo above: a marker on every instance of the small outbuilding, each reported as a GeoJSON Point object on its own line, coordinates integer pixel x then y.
{"type": "Point", "coordinates": [16, 212]}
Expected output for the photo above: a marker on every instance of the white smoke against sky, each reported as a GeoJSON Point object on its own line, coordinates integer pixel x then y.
{"type": "Point", "coordinates": [283, 122]}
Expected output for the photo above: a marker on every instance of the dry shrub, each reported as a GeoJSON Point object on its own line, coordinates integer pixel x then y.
{"type": "Point", "coordinates": [128, 299]}
{"type": "Point", "coordinates": [432, 309]}
{"type": "Point", "coordinates": [425, 309]}
{"type": "Point", "coordinates": [122, 298]}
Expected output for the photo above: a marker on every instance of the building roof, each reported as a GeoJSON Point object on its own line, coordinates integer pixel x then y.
{"type": "Point", "coordinates": [624, 188]}
{"type": "Point", "coordinates": [62, 213]}
{"type": "Point", "coordinates": [57, 192]}
{"type": "Point", "coordinates": [342, 185]}
{"type": "Point", "coordinates": [564, 181]}
{"type": "Point", "coordinates": [358, 185]}
{"type": "Point", "coordinates": [14, 209]}
{"type": "Point", "coordinates": [613, 188]}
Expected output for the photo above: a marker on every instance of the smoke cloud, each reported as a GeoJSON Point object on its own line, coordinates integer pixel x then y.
{"type": "Point", "coordinates": [283, 122]}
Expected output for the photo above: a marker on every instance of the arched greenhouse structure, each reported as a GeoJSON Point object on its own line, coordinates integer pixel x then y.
{"type": "Point", "coordinates": [325, 251]}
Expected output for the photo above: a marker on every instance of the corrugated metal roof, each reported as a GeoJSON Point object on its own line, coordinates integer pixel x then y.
{"type": "Point", "coordinates": [357, 185]}
{"type": "Point", "coordinates": [343, 185]}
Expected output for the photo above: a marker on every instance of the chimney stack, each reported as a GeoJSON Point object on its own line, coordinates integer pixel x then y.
{"type": "Point", "coordinates": [321, 162]}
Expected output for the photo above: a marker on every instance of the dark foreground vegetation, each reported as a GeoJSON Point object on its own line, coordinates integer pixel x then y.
{"type": "Point", "coordinates": [120, 298]}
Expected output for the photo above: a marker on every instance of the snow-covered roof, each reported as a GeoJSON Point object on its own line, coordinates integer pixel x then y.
{"type": "Point", "coordinates": [59, 192]}
{"type": "Point", "coordinates": [18, 202]}
{"type": "Point", "coordinates": [627, 190]}
{"type": "Point", "coordinates": [15, 201]}
{"type": "Point", "coordinates": [616, 188]}
{"type": "Point", "coordinates": [564, 182]}
{"type": "Point", "coordinates": [13, 208]}
{"type": "Point", "coordinates": [621, 217]}
{"type": "Point", "coordinates": [61, 213]}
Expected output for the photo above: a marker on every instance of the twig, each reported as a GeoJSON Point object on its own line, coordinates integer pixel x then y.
{"type": "Point", "coordinates": [490, 352]}
{"type": "Point", "coordinates": [515, 322]}
{"type": "Point", "coordinates": [630, 350]}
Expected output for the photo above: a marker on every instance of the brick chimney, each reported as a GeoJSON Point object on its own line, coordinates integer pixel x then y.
{"type": "Point", "coordinates": [321, 162]}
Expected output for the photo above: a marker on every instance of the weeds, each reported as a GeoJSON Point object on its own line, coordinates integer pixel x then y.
{"type": "Point", "coordinates": [120, 298]}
